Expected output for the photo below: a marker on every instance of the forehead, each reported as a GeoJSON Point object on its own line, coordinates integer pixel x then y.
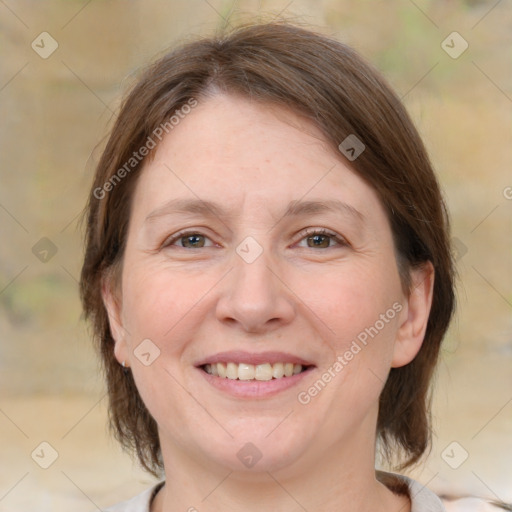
{"type": "Point", "coordinates": [240, 151]}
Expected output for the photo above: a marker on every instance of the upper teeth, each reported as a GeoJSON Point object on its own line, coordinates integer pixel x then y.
{"type": "Point", "coordinates": [244, 371]}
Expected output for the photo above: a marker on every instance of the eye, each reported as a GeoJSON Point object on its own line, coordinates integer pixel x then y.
{"type": "Point", "coordinates": [188, 240]}
{"type": "Point", "coordinates": [313, 238]}
{"type": "Point", "coordinates": [321, 239]}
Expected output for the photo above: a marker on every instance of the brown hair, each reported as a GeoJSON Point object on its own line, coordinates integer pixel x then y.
{"type": "Point", "coordinates": [329, 83]}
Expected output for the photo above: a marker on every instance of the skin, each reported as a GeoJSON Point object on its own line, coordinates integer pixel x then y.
{"type": "Point", "coordinates": [310, 301]}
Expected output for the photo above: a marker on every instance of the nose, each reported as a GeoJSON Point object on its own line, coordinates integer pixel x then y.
{"type": "Point", "coordinates": [255, 297]}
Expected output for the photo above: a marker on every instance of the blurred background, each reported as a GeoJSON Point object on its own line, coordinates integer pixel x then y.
{"type": "Point", "coordinates": [64, 65]}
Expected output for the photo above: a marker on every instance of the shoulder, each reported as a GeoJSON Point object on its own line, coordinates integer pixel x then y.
{"type": "Point", "coordinates": [140, 503]}
{"type": "Point", "coordinates": [452, 504]}
{"type": "Point", "coordinates": [424, 500]}
{"type": "Point", "coordinates": [470, 504]}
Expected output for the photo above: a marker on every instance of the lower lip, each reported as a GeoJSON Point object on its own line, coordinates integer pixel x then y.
{"type": "Point", "coordinates": [254, 388]}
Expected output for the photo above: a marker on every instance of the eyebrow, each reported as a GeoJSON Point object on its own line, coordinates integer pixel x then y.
{"type": "Point", "coordinates": [294, 209]}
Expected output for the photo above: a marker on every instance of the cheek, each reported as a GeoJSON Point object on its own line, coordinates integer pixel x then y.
{"type": "Point", "coordinates": [353, 299]}
{"type": "Point", "coordinates": [159, 303]}
{"type": "Point", "coordinates": [359, 311]}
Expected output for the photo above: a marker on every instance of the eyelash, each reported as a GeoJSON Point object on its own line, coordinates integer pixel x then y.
{"type": "Point", "coordinates": [342, 242]}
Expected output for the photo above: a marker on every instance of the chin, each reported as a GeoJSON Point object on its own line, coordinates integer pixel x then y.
{"type": "Point", "coordinates": [258, 450]}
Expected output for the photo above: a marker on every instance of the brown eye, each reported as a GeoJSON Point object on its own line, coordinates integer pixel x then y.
{"type": "Point", "coordinates": [194, 240]}
{"type": "Point", "coordinates": [322, 241]}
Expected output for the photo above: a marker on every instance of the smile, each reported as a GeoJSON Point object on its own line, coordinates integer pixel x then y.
{"type": "Point", "coordinates": [246, 371]}
{"type": "Point", "coordinates": [250, 375]}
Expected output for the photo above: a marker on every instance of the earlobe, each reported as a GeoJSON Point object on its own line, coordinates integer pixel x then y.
{"type": "Point", "coordinates": [113, 306]}
{"type": "Point", "coordinates": [414, 321]}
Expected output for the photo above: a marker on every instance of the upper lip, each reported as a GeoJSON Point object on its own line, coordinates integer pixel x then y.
{"type": "Point", "coordinates": [241, 356]}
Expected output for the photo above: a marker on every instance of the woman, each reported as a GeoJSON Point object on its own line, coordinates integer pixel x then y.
{"type": "Point", "coordinates": [269, 277]}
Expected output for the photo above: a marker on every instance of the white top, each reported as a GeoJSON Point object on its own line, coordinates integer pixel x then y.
{"type": "Point", "coordinates": [422, 499]}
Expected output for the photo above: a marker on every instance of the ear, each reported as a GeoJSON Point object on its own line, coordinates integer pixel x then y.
{"type": "Point", "coordinates": [414, 316]}
{"type": "Point", "coordinates": [113, 305]}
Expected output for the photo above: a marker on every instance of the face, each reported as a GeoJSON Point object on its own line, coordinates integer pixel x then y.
{"type": "Point", "coordinates": [254, 250]}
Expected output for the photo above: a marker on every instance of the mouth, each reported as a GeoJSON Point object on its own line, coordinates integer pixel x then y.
{"type": "Point", "coordinates": [249, 375]}
{"type": "Point", "coordinates": [247, 372]}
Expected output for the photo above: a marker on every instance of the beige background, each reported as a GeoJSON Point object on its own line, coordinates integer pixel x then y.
{"type": "Point", "coordinates": [54, 112]}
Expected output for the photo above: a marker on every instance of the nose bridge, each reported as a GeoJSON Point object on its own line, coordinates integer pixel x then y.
{"type": "Point", "coordinates": [253, 280]}
{"type": "Point", "coordinates": [254, 295]}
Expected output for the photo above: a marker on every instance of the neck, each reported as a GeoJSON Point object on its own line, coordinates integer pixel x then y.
{"type": "Point", "coordinates": [342, 483]}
